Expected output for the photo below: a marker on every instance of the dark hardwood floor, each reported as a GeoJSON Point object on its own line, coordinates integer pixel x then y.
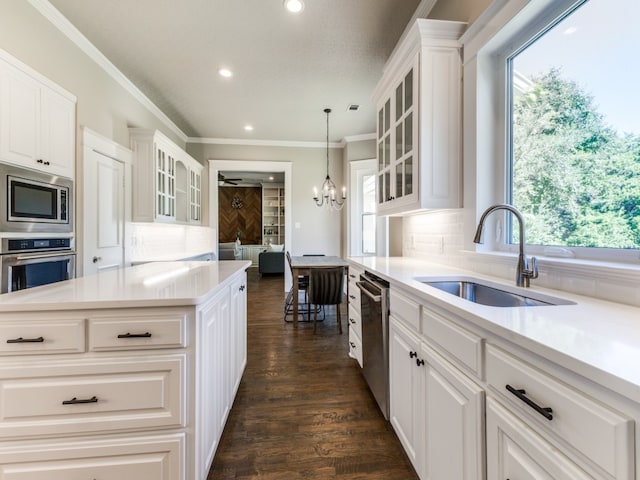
{"type": "Point", "coordinates": [303, 410]}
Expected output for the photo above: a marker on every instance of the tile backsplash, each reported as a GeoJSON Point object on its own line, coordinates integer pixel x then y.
{"type": "Point", "coordinates": [439, 237]}
{"type": "Point", "coordinates": [152, 241]}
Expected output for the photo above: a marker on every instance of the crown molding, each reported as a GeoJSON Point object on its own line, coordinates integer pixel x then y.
{"type": "Point", "coordinates": [72, 33]}
{"type": "Point", "coordinates": [263, 143]}
{"type": "Point", "coordinates": [358, 138]}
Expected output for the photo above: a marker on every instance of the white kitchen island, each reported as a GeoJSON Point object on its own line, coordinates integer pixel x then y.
{"type": "Point", "coordinates": [128, 374]}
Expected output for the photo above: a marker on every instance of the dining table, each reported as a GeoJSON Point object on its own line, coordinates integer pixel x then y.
{"type": "Point", "coordinates": [302, 266]}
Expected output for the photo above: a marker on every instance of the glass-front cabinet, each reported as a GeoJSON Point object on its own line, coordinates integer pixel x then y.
{"type": "Point", "coordinates": [419, 121]}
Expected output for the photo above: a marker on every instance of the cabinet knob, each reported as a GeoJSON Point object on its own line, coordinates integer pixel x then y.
{"type": "Point", "coordinates": [96, 259]}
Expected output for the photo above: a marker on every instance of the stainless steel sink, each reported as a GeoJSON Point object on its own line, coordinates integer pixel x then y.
{"type": "Point", "coordinates": [493, 295]}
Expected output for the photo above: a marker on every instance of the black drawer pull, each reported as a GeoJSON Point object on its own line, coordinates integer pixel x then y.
{"type": "Point", "coordinates": [26, 340]}
{"type": "Point", "coordinates": [546, 412]}
{"type": "Point", "coordinates": [75, 400]}
{"type": "Point", "coordinates": [353, 345]}
{"type": "Point", "coordinates": [135, 335]}
{"type": "Point", "coordinates": [352, 297]}
{"type": "Point", "coordinates": [352, 320]}
{"type": "Point", "coordinates": [419, 362]}
{"type": "Point", "coordinates": [413, 354]}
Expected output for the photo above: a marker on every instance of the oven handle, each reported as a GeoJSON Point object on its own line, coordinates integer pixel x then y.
{"type": "Point", "coordinates": [375, 298]}
{"type": "Point", "coordinates": [44, 255]}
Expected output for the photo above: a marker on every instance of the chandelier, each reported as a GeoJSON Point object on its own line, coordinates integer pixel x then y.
{"type": "Point", "coordinates": [328, 195]}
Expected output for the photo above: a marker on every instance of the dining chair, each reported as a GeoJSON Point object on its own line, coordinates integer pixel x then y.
{"type": "Point", "coordinates": [303, 285]}
{"type": "Point", "coordinates": [326, 287]}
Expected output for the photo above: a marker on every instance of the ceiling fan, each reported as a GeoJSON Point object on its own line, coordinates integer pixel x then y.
{"type": "Point", "coordinates": [230, 181]}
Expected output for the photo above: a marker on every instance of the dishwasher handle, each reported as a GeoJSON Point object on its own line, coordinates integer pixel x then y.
{"type": "Point", "coordinates": [363, 289]}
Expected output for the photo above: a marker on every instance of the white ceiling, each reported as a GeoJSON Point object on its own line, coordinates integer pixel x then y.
{"type": "Point", "coordinates": [287, 68]}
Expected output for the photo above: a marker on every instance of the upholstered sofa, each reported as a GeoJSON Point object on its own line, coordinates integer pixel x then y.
{"type": "Point", "coordinates": [271, 262]}
{"type": "Point", "coordinates": [229, 251]}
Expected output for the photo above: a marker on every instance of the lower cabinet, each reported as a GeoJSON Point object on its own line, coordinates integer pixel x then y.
{"type": "Point", "coordinates": [157, 457]}
{"type": "Point", "coordinates": [454, 406]}
{"type": "Point", "coordinates": [436, 410]}
{"type": "Point", "coordinates": [515, 451]}
{"type": "Point", "coordinates": [145, 397]}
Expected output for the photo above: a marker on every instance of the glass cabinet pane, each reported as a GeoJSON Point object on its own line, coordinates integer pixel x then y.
{"type": "Point", "coordinates": [399, 149]}
{"type": "Point", "coordinates": [387, 185]}
{"type": "Point", "coordinates": [408, 90]}
{"type": "Point", "coordinates": [399, 110]}
{"type": "Point", "coordinates": [408, 133]}
{"type": "Point", "coordinates": [408, 176]}
{"type": "Point", "coordinates": [399, 180]}
{"type": "Point", "coordinates": [380, 188]}
{"type": "Point", "coordinates": [387, 115]}
{"type": "Point", "coordinates": [380, 155]}
{"type": "Point", "coordinates": [380, 124]}
{"type": "Point", "coordinates": [387, 150]}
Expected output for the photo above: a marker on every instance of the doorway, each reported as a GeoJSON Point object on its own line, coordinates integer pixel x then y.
{"type": "Point", "coordinates": [217, 167]}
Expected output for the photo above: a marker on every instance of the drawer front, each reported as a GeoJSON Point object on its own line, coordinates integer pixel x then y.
{"type": "Point", "coordinates": [115, 394]}
{"type": "Point", "coordinates": [405, 309]}
{"type": "Point", "coordinates": [28, 337]}
{"type": "Point", "coordinates": [602, 435]}
{"type": "Point", "coordinates": [464, 347]}
{"type": "Point", "coordinates": [355, 346]}
{"type": "Point", "coordinates": [122, 333]}
{"type": "Point", "coordinates": [355, 323]}
{"type": "Point", "coordinates": [153, 457]}
{"type": "Point", "coordinates": [354, 296]}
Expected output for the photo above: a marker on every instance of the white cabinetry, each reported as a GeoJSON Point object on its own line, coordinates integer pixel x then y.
{"type": "Point", "coordinates": [354, 317]}
{"type": "Point", "coordinates": [419, 121]}
{"type": "Point", "coordinates": [167, 181]}
{"type": "Point", "coordinates": [272, 215]}
{"type": "Point", "coordinates": [145, 397]}
{"type": "Point", "coordinates": [37, 120]}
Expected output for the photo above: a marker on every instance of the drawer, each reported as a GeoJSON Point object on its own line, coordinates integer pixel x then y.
{"type": "Point", "coordinates": [355, 323]}
{"type": "Point", "coordinates": [136, 458]}
{"type": "Point", "coordinates": [464, 348]}
{"type": "Point", "coordinates": [103, 395]}
{"type": "Point", "coordinates": [354, 296]}
{"type": "Point", "coordinates": [42, 336]}
{"type": "Point", "coordinates": [600, 434]}
{"type": "Point", "coordinates": [405, 309]}
{"type": "Point", "coordinates": [355, 346]}
{"type": "Point", "coordinates": [128, 333]}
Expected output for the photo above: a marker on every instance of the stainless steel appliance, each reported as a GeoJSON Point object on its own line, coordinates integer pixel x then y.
{"type": "Point", "coordinates": [30, 262]}
{"type": "Point", "coordinates": [374, 303]}
{"type": "Point", "coordinates": [32, 201]}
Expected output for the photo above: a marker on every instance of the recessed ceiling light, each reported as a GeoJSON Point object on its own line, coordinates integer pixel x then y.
{"type": "Point", "coordinates": [271, 178]}
{"type": "Point", "coordinates": [248, 128]}
{"type": "Point", "coordinates": [225, 72]}
{"type": "Point", "coordinates": [294, 6]}
{"type": "Point", "coordinates": [570, 30]}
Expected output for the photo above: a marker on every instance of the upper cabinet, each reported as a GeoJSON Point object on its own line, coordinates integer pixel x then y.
{"type": "Point", "coordinates": [419, 121]}
{"type": "Point", "coordinates": [37, 120]}
{"type": "Point", "coordinates": [167, 181]}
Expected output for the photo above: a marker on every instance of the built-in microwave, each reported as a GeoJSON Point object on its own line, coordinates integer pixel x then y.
{"type": "Point", "coordinates": [32, 201]}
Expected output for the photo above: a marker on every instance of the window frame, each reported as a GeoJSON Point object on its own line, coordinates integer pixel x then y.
{"type": "Point", "coordinates": [523, 23]}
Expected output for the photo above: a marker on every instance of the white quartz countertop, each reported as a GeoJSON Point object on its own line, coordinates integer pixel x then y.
{"type": "Point", "coordinates": [594, 338]}
{"type": "Point", "coordinates": [148, 285]}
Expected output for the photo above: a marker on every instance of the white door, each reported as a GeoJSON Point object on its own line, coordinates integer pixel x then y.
{"type": "Point", "coordinates": [104, 212]}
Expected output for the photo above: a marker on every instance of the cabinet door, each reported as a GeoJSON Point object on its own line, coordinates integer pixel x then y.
{"type": "Point", "coordinates": [19, 116]}
{"type": "Point", "coordinates": [195, 196]}
{"type": "Point", "coordinates": [57, 135]}
{"type": "Point", "coordinates": [406, 374]}
{"type": "Point", "coordinates": [239, 332]}
{"type": "Point", "coordinates": [454, 422]}
{"type": "Point", "coordinates": [516, 452]}
{"type": "Point", "coordinates": [165, 182]}
{"type": "Point", "coordinates": [384, 152]}
{"type": "Point", "coordinates": [212, 376]}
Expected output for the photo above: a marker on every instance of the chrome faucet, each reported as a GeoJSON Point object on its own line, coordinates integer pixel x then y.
{"type": "Point", "coordinates": [523, 273]}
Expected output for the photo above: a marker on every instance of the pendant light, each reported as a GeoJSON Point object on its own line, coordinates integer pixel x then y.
{"type": "Point", "coordinates": [328, 197]}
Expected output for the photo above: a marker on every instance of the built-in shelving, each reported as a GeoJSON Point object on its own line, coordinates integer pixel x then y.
{"type": "Point", "coordinates": [273, 203]}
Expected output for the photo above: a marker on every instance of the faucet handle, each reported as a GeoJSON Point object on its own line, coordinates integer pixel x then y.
{"type": "Point", "coordinates": [533, 272]}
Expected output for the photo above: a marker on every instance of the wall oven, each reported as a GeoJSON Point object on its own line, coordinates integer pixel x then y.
{"type": "Point", "coordinates": [31, 262]}
{"type": "Point", "coordinates": [374, 310]}
{"type": "Point", "coordinates": [32, 201]}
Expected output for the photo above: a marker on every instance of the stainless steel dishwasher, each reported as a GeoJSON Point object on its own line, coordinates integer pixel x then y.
{"type": "Point", "coordinates": [374, 302]}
